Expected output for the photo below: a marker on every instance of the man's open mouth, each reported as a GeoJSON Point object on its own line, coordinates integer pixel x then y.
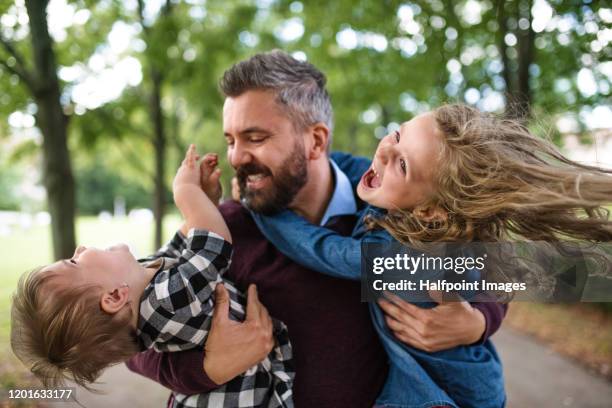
{"type": "Point", "coordinates": [256, 181]}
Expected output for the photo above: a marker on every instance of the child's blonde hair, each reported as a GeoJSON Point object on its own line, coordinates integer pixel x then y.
{"type": "Point", "coordinates": [61, 333]}
{"type": "Point", "coordinates": [496, 180]}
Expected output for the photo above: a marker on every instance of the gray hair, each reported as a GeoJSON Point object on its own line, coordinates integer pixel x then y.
{"type": "Point", "coordinates": [299, 86]}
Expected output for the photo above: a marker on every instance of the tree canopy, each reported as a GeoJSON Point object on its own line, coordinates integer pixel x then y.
{"type": "Point", "coordinates": [138, 79]}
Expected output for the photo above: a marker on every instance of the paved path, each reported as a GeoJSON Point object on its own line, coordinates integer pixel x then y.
{"type": "Point", "coordinates": [121, 389]}
{"type": "Point", "coordinates": [535, 377]}
{"type": "Point", "coordinates": [538, 377]}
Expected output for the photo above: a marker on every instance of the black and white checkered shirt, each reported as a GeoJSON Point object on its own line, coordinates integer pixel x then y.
{"type": "Point", "coordinates": [176, 312]}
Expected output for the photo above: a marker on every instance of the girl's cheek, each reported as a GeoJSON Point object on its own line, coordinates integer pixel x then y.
{"type": "Point", "coordinates": [392, 182]}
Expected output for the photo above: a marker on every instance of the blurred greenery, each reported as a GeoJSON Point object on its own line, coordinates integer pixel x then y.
{"type": "Point", "coordinates": [385, 62]}
{"type": "Point", "coordinates": [9, 179]}
{"type": "Point", "coordinates": [98, 186]}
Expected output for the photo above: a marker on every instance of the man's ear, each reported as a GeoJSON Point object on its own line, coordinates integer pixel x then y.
{"type": "Point", "coordinates": [112, 302]}
{"type": "Point", "coordinates": [320, 136]}
{"type": "Point", "coordinates": [430, 213]}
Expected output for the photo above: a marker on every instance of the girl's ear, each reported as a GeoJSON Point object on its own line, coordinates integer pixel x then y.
{"type": "Point", "coordinates": [320, 137]}
{"type": "Point", "coordinates": [112, 302]}
{"type": "Point", "coordinates": [430, 213]}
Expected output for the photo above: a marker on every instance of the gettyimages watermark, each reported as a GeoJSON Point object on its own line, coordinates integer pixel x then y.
{"type": "Point", "coordinates": [488, 272]}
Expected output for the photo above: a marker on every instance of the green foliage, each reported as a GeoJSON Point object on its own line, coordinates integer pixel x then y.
{"type": "Point", "coordinates": [9, 179]}
{"type": "Point", "coordinates": [12, 176]}
{"type": "Point", "coordinates": [191, 43]}
{"type": "Point", "coordinates": [98, 187]}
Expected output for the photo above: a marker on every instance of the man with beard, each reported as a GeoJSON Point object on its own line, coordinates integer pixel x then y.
{"type": "Point", "coordinates": [277, 121]}
{"type": "Point", "coordinates": [291, 177]}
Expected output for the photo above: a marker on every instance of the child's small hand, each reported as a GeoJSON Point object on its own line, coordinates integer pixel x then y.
{"type": "Point", "coordinates": [235, 189]}
{"type": "Point", "coordinates": [189, 172]}
{"type": "Point", "coordinates": [210, 175]}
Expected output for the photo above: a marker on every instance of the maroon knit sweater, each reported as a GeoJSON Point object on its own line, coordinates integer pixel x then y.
{"type": "Point", "coordinates": [339, 360]}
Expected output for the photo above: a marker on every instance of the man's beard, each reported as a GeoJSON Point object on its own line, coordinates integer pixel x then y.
{"type": "Point", "coordinates": [288, 181]}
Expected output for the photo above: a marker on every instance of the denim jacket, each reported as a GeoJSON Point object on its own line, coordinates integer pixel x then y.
{"type": "Point", "coordinates": [463, 376]}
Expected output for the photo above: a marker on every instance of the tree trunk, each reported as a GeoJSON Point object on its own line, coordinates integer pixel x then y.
{"type": "Point", "coordinates": [57, 170]}
{"type": "Point", "coordinates": [502, 30]}
{"type": "Point", "coordinates": [516, 72]}
{"type": "Point", "coordinates": [157, 117]}
{"type": "Point", "coordinates": [525, 47]}
{"type": "Point", "coordinates": [159, 144]}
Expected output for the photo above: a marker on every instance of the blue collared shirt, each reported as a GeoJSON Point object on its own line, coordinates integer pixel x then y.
{"type": "Point", "coordinates": [343, 199]}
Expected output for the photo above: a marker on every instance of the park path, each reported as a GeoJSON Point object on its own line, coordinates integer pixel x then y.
{"type": "Point", "coordinates": [538, 377]}
{"type": "Point", "coordinates": [535, 377]}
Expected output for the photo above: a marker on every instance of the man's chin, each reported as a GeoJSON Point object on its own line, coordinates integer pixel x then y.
{"type": "Point", "coordinates": [259, 204]}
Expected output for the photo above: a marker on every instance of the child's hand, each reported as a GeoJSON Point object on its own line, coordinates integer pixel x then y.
{"type": "Point", "coordinates": [192, 201]}
{"type": "Point", "coordinates": [210, 175]}
{"type": "Point", "coordinates": [189, 173]}
{"type": "Point", "coordinates": [235, 189]}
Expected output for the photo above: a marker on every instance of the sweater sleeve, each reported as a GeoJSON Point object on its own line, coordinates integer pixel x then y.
{"type": "Point", "coordinates": [181, 371]}
{"type": "Point", "coordinates": [494, 313]}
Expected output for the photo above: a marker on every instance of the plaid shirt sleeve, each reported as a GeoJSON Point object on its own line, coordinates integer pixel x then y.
{"type": "Point", "coordinates": [177, 306]}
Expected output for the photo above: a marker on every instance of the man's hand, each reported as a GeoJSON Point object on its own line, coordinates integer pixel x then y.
{"type": "Point", "coordinates": [233, 347]}
{"type": "Point", "coordinates": [447, 325]}
{"type": "Point", "coordinates": [210, 175]}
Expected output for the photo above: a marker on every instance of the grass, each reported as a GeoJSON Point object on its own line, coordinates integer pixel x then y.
{"type": "Point", "coordinates": [25, 249]}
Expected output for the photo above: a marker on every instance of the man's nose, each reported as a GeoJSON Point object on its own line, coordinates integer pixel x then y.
{"type": "Point", "coordinates": [238, 155]}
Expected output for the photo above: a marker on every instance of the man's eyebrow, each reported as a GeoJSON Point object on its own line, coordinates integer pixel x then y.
{"type": "Point", "coordinates": [251, 130]}
{"type": "Point", "coordinates": [254, 129]}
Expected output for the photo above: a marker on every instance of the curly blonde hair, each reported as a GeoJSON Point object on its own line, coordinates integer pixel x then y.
{"type": "Point", "coordinates": [496, 181]}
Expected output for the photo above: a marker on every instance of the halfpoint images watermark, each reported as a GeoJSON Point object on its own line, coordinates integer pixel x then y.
{"type": "Point", "coordinates": [493, 272]}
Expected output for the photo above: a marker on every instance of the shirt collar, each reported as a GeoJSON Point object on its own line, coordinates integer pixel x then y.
{"type": "Point", "coordinates": [343, 199]}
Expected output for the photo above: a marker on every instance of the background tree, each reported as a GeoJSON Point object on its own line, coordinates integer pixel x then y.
{"type": "Point", "coordinates": [43, 85]}
{"type": "Point", "coordinates": [157, 42]}
{"type": "Point", "coordinates": [385, 62]}
{"type": "Point", "coordinates": [394, 59]}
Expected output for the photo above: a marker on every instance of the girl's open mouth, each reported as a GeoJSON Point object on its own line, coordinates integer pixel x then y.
{"type": "Point", "coordinates": [371, 179]}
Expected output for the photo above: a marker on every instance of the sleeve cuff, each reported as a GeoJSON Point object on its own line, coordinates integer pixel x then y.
{"type": "Point", "coordinates": [208, 382]}
{"type": "Point", "coordinates": [494, 314]}
{"type": "Point", "coordinates": [211, 242]}
{"type": "Point", "coordinates": [180, 371]}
